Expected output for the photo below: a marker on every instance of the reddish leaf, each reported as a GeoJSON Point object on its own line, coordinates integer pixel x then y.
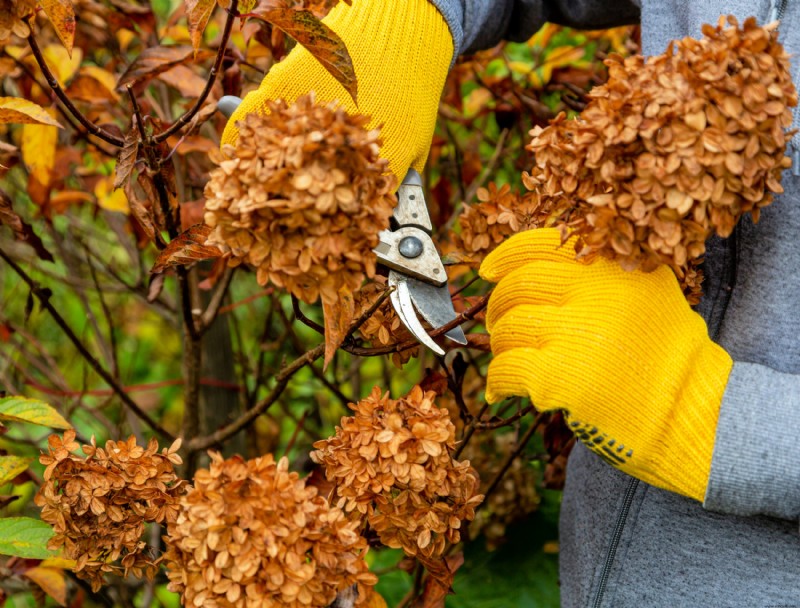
{"type": "Point", "coordinates": [198, 13]}
{"type": "Point", "coordinates": [127, 158]}
{"type": "Point", "coordinates": [338, 318]}
{"type": "Point", "coordinates": [155, 60]}
{"type": "Point", "coordinates": [22, 231]}
{"type": "Point", "coordinates": [184, 79]}
{"type": "Point", "coordinates": [187, 248]}
{"type": "Point", "coordinates": [320, 40]}
{"type": "Point", "coordinates": [62, 16]}
{"type": "Point", "coordinates": [438, 587]}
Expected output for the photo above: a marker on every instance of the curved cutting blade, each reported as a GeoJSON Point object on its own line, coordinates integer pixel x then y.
{"type": "Point", "coordinates": [404, 307]}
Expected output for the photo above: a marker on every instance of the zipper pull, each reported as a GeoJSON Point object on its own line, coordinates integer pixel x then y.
{"type": "Point", "coordinates": [795, 159]}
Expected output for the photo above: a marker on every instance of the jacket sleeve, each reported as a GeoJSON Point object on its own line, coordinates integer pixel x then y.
{"type": "Point", "coordinates": [755, 469]}
{"type": "Point", "coordinates": [480, 24]}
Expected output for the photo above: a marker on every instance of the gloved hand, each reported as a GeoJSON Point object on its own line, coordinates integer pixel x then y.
{"type": "Point", "coordinates": [401, 51]}
{"type": "Point", "coordinates": [622, 353]}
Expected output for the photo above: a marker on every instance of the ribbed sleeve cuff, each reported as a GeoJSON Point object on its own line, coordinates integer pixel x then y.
{"type": "Point", "coordinates": [755, 468]}
{"type": "Point", "coordinates": [453, 13]}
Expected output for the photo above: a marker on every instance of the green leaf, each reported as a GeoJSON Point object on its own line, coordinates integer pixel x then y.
{"type": "Point", "coordinates": [22, 409]}
{"type": "Point", "coordinates": [11, 466]}
{"type": "Point", "coordinates": [25, 537]}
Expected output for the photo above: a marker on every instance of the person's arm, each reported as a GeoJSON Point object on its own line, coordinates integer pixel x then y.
{"type": "Point", "coordinates": [480, 24]}
{"type": "Point", "coordinates": [755, 469]}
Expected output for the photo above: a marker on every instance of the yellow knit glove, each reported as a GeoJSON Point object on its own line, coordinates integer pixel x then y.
{"type": "Point", "coordinates": [401, 51]}
{"type": "Point", "coordinates": [621, 352]}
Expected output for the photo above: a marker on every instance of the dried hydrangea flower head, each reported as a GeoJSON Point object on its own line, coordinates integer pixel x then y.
{"type": "Point", "coordinates": [302, 197]}
{"type": "Point", "coordinates": [252, 534]}
{"type": "Point", "coordinates": [672, 149]}
{"type": "Point", "coordinates": [12, 17]}
{"type": "Point", "coordinates": [499, 213]}
{"type": "Point", "coordinates": [98, 506]}
{"type": "Point", "coordinates": [391, 464]}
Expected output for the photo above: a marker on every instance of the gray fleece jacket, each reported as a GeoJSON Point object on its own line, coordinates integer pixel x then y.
{"type": "Point", "coordinates": [625, 544]}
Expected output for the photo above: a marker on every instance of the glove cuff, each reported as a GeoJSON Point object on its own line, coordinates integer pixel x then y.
{"type": "Point", "coordinates": [689, 441]}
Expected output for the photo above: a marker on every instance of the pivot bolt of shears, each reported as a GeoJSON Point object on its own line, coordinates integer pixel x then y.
{"type": "Point", "coordinates": [410, 247]}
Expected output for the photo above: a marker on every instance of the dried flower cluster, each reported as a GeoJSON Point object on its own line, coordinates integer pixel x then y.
{"type": "Point", "coordinates": [671, 149]}
{"type": "Point", "coordinates": [513, 499]}
{"type": "Point", "coordinates": [98, 506]}
{"type": "Point", "coordinates": [302, 197]}
{"type": "Point", "coordinates": [253, 534]}
{"type": "Point", "coordinates": [499, 213]}
{"type": "Point", "coordinates": [392, 466]}
{"type": "Point", "coordinates": [12, 14]}
{"type": "Point", "coordinates": [383, 327]}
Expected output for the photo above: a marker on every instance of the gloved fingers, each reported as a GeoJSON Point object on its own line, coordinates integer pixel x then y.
{"type": "Point", "coordinates": [543, 282]}
{"type": "Point", "coordinates": [544, 327]}
{"type": "Point", "coordinates": [523, 248]}
{"type": "Point", "coordinates": [524, 372]}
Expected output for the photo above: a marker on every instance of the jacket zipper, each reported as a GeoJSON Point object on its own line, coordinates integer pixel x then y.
{"type": "Point", "coordinates": [627, 501]}
{"type": "Point", "coordinates": [776, 14]}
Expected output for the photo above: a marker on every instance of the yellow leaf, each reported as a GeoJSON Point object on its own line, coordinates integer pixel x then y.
{"type": "Point", "coordinates": [62, 16]}
{"type": "Point", "coordinates": [520, 67]}
{"type": "Point", "coordinates": [104, 77]}
{"type": "Point", "coordinates": [110, 199]}
{"type": "Point", "coordinates": [540, 76]}
{"type": "Point", "coordinates": [52, 582]}
{"type": "Point", "coordinates": [476, 101]}
{"type": "Point", "coordinates": [564, 55]}
{"type": "Point", "coordinates": [22, 409]}
{"type": "Point", "coordinates": [62, 64]}
{"type": "Point", "coordinates": [541, 38]}
{"type": "Point", "coordinates": [11, 466]}
{"type": "Point", "coordinates": [59, 562]}
{"type": "Point", "coordinates": [39, 151]}
{"type": "Point", "coordinates": [124, 38]}
{"type": "Point", "coordinates": [15, 110]}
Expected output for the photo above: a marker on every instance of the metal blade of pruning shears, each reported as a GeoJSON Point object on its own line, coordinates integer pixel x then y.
{"type": "Point", "coordinates": [417, 273]}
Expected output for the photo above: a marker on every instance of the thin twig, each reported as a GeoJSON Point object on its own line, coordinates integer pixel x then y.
{"type": "Point", "coordinates": [490, 426]}
{"type": "Point", "coordinates": [281, 380]}
{"type": "Point", "coordinates": [43, 295]}
{"type": "Point", "coordinates": [512, 456]}
{"type": "Point", "coordinates": [213, 308]}
{"type": "Point", "coordinates": [62, 96]}
{"type": "Point", "coordinates": [304, 319]}
{"type": "Point", "coordinates": [412, 343]}
{"type": "Point", "coordinates": [233, 12]}
{"type": "Point", "coordinates": [470, 430]}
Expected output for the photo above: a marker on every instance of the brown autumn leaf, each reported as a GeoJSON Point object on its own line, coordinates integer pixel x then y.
{"type": "Point", "coordinates": [22, 231]}
{"type": "Point", "coordinates": [320, 40]}
{"type": "Point", "coordinates": [127, 158]}
{"type": "Point", "coordinates": [62, 16]}
{"type": "Point", "coordinates": [198, 13]}
{"type": "Point", "coordinates": [437, 588]}
{"type": "Point", "coordinates": [186, 248]}
{"type": "Point", "coordinates": [158, 59]}
{"type": "Point", "coordinates": [185, 80]}
{"type": "Point", "coordinates": [15, 110]}
{"type": "Point", "coordinates": [51, 580]}
{"type": "Point", "coordinates": [338, 316]}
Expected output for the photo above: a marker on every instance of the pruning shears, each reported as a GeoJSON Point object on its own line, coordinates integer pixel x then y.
{"type": "Point", "coordinates": [416, 274]}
